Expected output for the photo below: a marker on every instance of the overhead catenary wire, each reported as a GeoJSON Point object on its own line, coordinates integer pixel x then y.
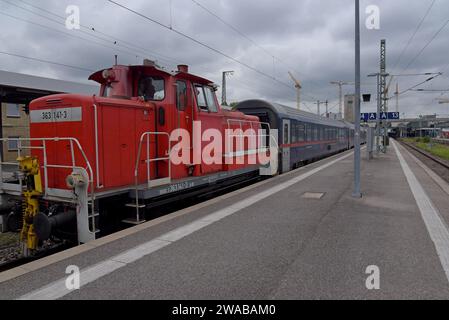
{"type": "Point", "coordinates": [69, 34]}
{"type": "Point", "coordinates": [243, 35]}
{"type": "Point", "coordinates": [92, 31]}
{"type": "Point", "coordinates": [414, 33]}
{"type": "Point", "coordinates": [182, 34]}
{"type": "Point", "coordinates": [426, 45]}
{"type": "Point", "coordinates": [96, 30]}
{"type": "Point", "coordinates": [45, 61]}
{"type": "Point", "coordinates": [417, 85]}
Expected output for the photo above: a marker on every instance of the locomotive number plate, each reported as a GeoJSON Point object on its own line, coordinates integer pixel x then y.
{"type": "Point", "coordinates": [56, 115]}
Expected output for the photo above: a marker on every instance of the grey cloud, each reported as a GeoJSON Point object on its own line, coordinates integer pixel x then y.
{"type": "Point", "coordinates": [313, 37]}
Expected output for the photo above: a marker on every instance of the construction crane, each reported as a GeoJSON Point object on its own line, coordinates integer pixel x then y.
{"type": "Point", "coordinates": [298, 90]}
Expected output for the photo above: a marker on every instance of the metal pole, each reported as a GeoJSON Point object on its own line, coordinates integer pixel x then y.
{"type": "Point", "coordinates": [340, 107]}
{"type": "Point", "coordinates": [379, 103]}
{"type": "Point", "coordinates": [318, 104]}
{"type": "Point", "coordinates": [223, 90]}
{"type": "Point", "coordinates": [1, 133]}
{"type": "Point", "coordinates": [397, 97]}
{"type": "Point", "coordinates": [357, 193]}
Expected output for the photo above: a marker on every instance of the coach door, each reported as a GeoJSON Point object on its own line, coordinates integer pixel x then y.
{"type": "Point", "coordinates": [286, 128]}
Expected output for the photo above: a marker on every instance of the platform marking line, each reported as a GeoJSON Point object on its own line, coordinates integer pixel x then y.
{"type": "Point", "coordinates": [432, 219]}
{"type": "Point", "coordinates": [58, 289]}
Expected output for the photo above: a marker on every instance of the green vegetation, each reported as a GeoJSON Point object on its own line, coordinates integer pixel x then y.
{"type": "Point", "coordinates": [436, 149]}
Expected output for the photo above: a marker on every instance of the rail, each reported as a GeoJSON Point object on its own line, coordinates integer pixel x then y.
{"type": "Point", "coordinates": [442, 163]}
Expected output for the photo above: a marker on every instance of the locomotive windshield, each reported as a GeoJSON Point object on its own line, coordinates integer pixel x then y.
{"type": "Point", "coordinates": [205, 98]}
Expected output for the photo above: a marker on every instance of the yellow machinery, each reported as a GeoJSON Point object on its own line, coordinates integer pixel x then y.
{"type": "Point", "coordinates": [31, 192]}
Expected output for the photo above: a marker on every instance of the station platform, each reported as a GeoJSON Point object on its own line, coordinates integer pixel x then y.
{"type": "Point", "coordinates": [296, 236]}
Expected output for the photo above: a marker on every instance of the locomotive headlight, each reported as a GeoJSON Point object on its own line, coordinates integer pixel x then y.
{"type": "Point", "coordinates": [74, 180]}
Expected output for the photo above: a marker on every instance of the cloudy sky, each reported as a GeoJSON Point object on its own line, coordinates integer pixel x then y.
{"type": "Point", "coordinates": [314, 39]}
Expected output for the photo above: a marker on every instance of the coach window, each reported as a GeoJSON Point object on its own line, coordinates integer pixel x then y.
{"type": "Point", "coordinates": [294, 133]}
{"type": "Point", "coordinates": [300, 133]}
{"type": "Point", "coordinates": [286, 133]}
{"type": "Point", "coordinates": [181, 95]}
{"type": "Point", "coordinates": [210, 99]}
{"type": "Point", "coordinates": [309, 132]}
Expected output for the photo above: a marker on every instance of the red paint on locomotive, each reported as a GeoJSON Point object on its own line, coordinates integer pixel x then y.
{"type": "Point", "coordinates": [109, 126]}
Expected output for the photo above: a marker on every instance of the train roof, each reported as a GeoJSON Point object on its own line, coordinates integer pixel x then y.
{"type": "Point", "coordinates": [180, 74]}
{"type": "Point", "coordinates": [291, 113]}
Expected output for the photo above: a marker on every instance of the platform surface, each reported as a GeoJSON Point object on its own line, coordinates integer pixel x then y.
{"type": "Point", "coordinates": [296, 236]}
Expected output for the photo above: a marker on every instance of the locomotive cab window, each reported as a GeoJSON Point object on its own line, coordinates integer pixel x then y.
{"type": "Point", "coordinates": [181, 95]}
{"type": "Point", "coordinates": [151, 88]}
{"type": "Point", "coordinates": [210, 97]}
{"type": "Point", "coordinates": [200, 98]}
{"type": "Point", "coordinates": [205, 98]}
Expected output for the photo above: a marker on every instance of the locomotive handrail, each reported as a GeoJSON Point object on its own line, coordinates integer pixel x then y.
{"type": "Point", "coordinates": [148, 161]}
{"type": "Point", "coordinates": [73, 141]}
{"type": "Point", "coordinates": [45, 165]}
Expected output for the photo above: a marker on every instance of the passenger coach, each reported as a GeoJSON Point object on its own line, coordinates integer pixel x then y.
{"type": "Point", "coordinates": [302, 137]}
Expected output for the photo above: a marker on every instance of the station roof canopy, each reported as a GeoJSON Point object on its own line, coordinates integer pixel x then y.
{"type": "Point", "coordinates": [23, 88]}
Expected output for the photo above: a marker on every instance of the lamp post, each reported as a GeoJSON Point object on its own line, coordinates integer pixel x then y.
{"type": "Point", "coordinates": [223, 88]}
{"type": "Point", "coordinates": [357, 192]}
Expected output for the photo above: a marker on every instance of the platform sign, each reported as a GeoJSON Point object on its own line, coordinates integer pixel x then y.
{"type": "Point", "coordinates": [372, 116]}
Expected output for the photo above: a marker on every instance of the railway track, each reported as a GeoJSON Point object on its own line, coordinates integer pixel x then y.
{"type": "Point", "coordinates": [439, 166]}
{"type": "Point", "coordinates": [442, 163]}
{"type": "Point", "coordinates": [19, 260]}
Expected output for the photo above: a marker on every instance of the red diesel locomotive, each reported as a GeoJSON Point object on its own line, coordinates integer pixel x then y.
{"type": "Point", "coordinates": [92, 157]}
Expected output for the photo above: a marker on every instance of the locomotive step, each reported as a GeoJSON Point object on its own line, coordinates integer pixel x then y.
{"type": "Point", "coordinates": [134, 221]}
{"type": "Point", "coordinates": [133, 205]}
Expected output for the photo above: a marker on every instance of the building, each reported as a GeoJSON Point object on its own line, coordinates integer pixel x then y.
{"type": "Point", "coordinates": [427, 125]}
{"type": "Point", "coordinates": [15, 124]}
{"type": "Point", "coordinates": [349, 108]}
{"type": "Point", "coordinates": [18, 90]}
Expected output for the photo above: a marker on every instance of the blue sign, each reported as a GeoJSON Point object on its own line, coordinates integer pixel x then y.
{"type": "Point", "coordinates": [372, 116]}
{"type": "Point", "coordinates": [394, 116]}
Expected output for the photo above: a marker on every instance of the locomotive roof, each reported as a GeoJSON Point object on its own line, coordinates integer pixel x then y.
{"type": "Point", "coordinates": [291, 113]}
{"type": "Point", "coordinates": [98, 76]}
